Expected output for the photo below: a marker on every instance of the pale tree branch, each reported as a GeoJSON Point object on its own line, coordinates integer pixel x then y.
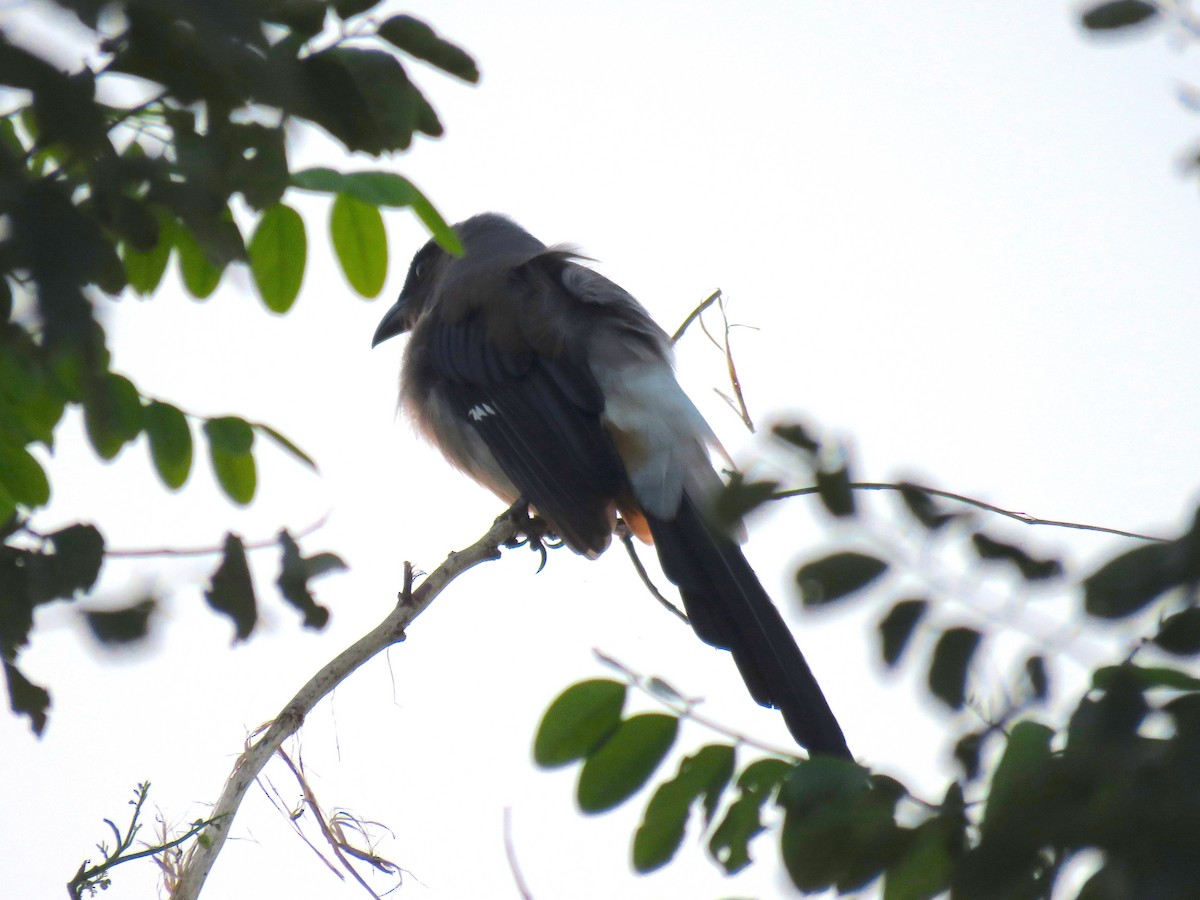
{"type": "Point", "coordinates": [388, 632]}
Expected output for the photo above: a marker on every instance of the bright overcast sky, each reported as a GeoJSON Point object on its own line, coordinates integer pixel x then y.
{"type": "Point", "coordinates": [961, 233]}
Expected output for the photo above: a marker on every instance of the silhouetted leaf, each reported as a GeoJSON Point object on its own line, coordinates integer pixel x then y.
{"type": "Point", "coordinates": [897, 627]}
{"type": "Point", "coordinates": [1031, 569]}
{"type": "Point", "coordinates": [951, 659]}
{"type": "Point", "coordinates": [618, 768]}
{"type": "Point", "coordinates": [730, 841]}
{"type": "Point", "coordinates": [837, 575]}
{"type": "Point", "coordinates": [1118, 14]}
{"type": "Point", "coordinates": [71, 563]}
{"type": "Point", "coordinates": [230, 440]}
{"type": "Point", "coordinates": [923, 508]}
{"type": "Point", "coordinates": [27, 698]}
{"type": "Point", "coordinates": [121, 626]}
{"type": "Point", "coordinates": [112, 414]}
{"type": "Point", "coordinates": [232, 590]}
{"type": "Point", "coordinates": [278, 252]}
{"type": "Point", "coordinates": [1180, 633]}
{"type": "Point", "coordinates": [834, 490]}
{"type": "Point", "coordinates": [1035, 670]}
{"type": "Point", "coordinates": [798, 436]}
{"type": "Point", "coordinates": [967, 750]}
{"type": "Point", "coordinates": [418, 39]}
{"type": "Point", "coordinates": [22, 476]}
{"type": "Point", "coordinates": [740, 497]}
{"type": "Point", "coordinates": [578, 721]}
{"type": "Point", "coordinates": [1146, 677]}
{"type": "Point", "coordinates": [170, 443]}
{"type": "Point", "coordinates": [1133, 580]}
{"type": "Point", "coordinates": [293, 583]}
{"type": "Point", "coordinates": [347, 8]}
{"type": "Point", "coordinates": [702, 776]}
{"type": "Point", "coordinates": [360, 242]}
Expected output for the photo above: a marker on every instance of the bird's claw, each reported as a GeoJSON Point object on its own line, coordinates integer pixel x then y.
{"type": "Point", "coordinates": [536, 533]}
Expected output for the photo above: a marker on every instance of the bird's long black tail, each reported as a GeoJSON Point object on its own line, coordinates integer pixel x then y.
{"type": "Point", "coordinates": [729, 608]}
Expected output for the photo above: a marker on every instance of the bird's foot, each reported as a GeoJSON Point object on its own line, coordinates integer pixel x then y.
{"type": "Point", "coordinates": [532, 532]}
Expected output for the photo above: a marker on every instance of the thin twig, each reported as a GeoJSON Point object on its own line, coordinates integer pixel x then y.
{"type": "Point", "coordinates": [627, 539]}
{"type": "Point", "coordinates": [263, 544]}
{"type": "Point", "coordinates": [511, 853]}
{"type": "Point", "coordinates": [695, 314]}
{"type": "Point", "coordinates": [291, 717]}
{"type": "Point", "coordinates": [1024, 518]}
{"type": "Point", "coordinates": [685, 708]}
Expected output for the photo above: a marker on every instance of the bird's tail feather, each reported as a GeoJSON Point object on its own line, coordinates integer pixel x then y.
{"type": "Point", "coordinates": [729, 609]}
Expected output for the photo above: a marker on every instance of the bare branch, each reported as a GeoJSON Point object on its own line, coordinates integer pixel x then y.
{"type": "Point", "coordinates": [390, 631]}
{"type": "Point", "coordinates": [695, 314]}
{"type": "Point", "coordinates": [511, 853]}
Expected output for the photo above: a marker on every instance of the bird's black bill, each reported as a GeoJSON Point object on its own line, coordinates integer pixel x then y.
{"type": "Point", "coordinates": [394, 322]}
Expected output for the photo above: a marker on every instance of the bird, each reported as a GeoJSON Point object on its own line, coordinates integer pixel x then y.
{"type": "Point", "coordinates": [548, 383]}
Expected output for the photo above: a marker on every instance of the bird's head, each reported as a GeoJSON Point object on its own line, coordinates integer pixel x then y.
{"type": "Point", "coordinates": [490, 242]}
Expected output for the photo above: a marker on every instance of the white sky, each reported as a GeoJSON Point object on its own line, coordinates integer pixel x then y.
{"type": "Point", "coordinates": [962, 235]}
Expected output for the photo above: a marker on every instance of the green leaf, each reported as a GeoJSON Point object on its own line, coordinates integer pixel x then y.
{"type": "Point", "coordinates": [285, 444]}
{"type": "Point", "coordinates": [1130, 582]}
{"type": "Point", "coordinates": [578, 721]}
{"type": "Point", "coordinates": [232, 590]}
{"type": "Point", "coordinates": [1180, 633]}
{"type": "Point", "coordinates": [418, 39]}
{"type": "Point", "coordinates": [293, 583]}
{"type": "Point", "coordinates": [22, 476]}
{"type": "Point", "coordinates": [1118, 14]}
{"type": "Point", "coordinates": [170, 443]}
{"type": "Point", "coordinates": [837, 575]}
{"type": "Point", "coordinates": [730, 841]}
{"type": "Point", "coordinates": [144, 271]}
{"type": "Point", "coordinates": [278, 251]}
{"type": "Point", "coordinates": [621, 765]}
{"type": "Point", "coordinates": [703, 775]}
{"type": "Point", "coordinates": [951, 659]}
{"type": "Point", "coordinates": [1023, 761]}
{"type": "Point", "coordinates": [923, 871]}
{"type": "Point", "coordinates": [121, 626]}
{"type": "Point", "coordinates": [112, 414]}
{"type": "Point", "coordinates": [200, 275]}
{"type": "Point", "coordinates": [360, 242]}
{"type": "Point", "coordinates": [72, 566]}
{"type": "Point", "coordinates": [230, 440]}
{"type": "Point", "coordinates": [897, 628]}
{"type": "Point", "coordinates": [382, 189]}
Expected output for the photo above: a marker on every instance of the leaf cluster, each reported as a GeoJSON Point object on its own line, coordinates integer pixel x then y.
{"type": "Point", "coordinates": [98, 198]}
{"type": "Point", "coordinates": [1119, 777]}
